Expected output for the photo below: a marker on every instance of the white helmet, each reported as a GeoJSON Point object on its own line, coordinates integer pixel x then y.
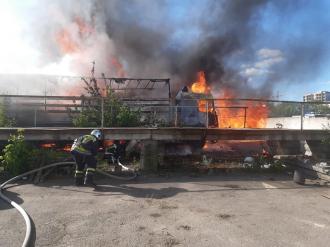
{"type": "Point", "coordinates": [97, 134]}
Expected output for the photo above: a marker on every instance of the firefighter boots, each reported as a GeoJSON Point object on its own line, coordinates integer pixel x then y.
{"type": "Point", "coordinates": [89, 177]}
{"type": "Point", "coordinates": [79, 178]}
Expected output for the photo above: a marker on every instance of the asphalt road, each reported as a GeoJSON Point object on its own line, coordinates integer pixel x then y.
{"type": "Point", "coordinates": [222, 210]}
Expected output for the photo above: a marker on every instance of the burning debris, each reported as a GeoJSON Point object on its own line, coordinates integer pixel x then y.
{"type": "Point", "coordinates": [60, 146]}
{"type": "Point", "coordinates": [227, 112]}
{"type": "Point", "coordinates": [241, 114]}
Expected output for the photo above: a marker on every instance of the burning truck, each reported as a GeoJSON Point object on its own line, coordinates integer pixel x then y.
{"type": "Point", "coordinates": [193, 110]}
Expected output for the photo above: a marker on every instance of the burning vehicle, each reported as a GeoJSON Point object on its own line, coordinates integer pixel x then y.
{"type": "Point", "coordinates": [194, 111]}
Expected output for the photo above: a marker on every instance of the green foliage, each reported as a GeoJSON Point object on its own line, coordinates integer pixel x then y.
{"type": "Point", "coordinates": [127, 118]}
{"type": "Point", "coordinates": [291, 109]}
{"type": "Point", "coordinates": [111, 109]}
{"type": "Point", "coordinates": [317, 109]}
{"type": "Point", "coordinates": [284, 110]}
{"type": "Point", "coordinates": [16, 154]}
{"type": "Point", "coordinates": [4, 120]}
{"type": "Point", "coordinates": [88, 117]}
{"type": "Point", "coordinates": [116, 114]}
{"type": "Point", "coordinates": [19, 156]}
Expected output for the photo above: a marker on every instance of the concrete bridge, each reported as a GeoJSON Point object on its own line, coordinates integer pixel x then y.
{"type": "Point", "coordinates": [168, 134]}
{"type": "Point", "coordinates": [281, 141]}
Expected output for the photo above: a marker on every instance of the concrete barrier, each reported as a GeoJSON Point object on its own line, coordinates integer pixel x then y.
{"type": "Point", "coordinates": [294, 122]}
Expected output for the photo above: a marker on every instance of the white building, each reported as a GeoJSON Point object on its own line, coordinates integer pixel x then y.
{"type": "Point", "coordinates": [319, 96]}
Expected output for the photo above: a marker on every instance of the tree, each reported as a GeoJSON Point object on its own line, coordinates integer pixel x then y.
{"type": "Point", "coordinates": [116, 114]}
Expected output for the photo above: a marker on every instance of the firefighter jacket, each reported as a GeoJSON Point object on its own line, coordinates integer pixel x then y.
{"type": "Point", "coordinates": [87, 145]}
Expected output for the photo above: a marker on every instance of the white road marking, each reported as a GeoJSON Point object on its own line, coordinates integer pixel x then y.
{"type": "Point", "coordinates": [268, 186]}
{"type": "Point", "coordinates": [319, 225]}
{"type": "Point", "coordinates": [313, 223]}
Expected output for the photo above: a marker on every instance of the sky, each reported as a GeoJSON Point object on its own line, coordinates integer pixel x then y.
{"type": "Point", "coordinates": [309, 23]}
{"type": "Point", "coordinates": [289, 49]}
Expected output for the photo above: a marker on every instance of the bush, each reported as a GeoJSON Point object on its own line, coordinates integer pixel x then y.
{"type": "Point", "coordinates": [16, 154]}
{"type": "Point", "coordinates": [87, 118]}
{"type": "Point", "coordinates": [127, 118]}
{"type": "Point", "coordinates": [5, 121]}
{"type": "Point", "coordinates": [116, 114]}
{"type": "Point", "coordinates": [19, 156]}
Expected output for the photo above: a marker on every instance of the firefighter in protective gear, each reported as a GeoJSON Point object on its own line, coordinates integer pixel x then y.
{"type": "Point", "coordinates": [84, 150]}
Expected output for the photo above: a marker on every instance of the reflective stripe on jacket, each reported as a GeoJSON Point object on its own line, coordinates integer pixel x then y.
{"type": "Point", "coordinates": [86, 144]}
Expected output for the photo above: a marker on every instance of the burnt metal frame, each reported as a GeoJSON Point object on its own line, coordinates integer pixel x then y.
{"type": "Point", "coordinates": [141, 83]}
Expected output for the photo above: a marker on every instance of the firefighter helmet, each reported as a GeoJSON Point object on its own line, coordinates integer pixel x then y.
{"type": "Point", "coordinates": [97, 134]}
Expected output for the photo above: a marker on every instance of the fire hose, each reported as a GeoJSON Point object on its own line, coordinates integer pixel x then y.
{"type": "Point", "coordinates": [25, 214]}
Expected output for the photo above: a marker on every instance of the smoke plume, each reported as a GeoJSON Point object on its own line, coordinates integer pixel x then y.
{"type": "Point", "coordinates": [227, 39]}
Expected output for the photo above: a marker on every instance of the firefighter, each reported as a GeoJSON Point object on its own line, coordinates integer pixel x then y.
{"type": "Point", "coordinates": [84, 150]}
{"type": "Point", "coordinates": [114, 152]}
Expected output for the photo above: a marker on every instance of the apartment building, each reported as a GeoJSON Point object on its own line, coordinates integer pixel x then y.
{"type": "Point", "coordinates": [319, 96]}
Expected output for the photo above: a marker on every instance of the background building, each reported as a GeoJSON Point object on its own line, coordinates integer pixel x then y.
{"type": "Point", "coordinates": [319, 96]}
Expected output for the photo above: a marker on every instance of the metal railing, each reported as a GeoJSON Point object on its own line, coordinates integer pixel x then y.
{"type": "Point", "coordinates": [48, 111]}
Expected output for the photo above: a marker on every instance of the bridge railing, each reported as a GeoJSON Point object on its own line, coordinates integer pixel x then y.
{"type": "Point", "coordinates": [53, 111]}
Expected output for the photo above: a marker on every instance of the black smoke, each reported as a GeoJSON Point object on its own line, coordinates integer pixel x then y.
{"type": "Point", "coordinates": [170, 39]}
{"type": "Point", "coordinates": [224, 28]}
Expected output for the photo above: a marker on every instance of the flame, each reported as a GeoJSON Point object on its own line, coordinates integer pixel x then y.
{"type": "Point", "coordinates": [74, 41]}
{"type": "Point", "coordinates": [107, 143]}
{"type": "Point", "coordinates": [249, 114]}
{"type": "Point", "coordinates": [84, 28]}
{"type": "Point", "coordinates": [231, 114]}
{"type": "Point", "coordinates": [67, 148]}
{"type": "Point", "coordinates": [66, 43]}
{"type": "Point", "coordinates": [48, 145]}
{"type": "Point", "coordinates": [54, 146]}
{"type": "Point", "coordinates": [117, 67]}
{"type": "Point", "coordinates": [70, 39]}
{"type": "Point", "coordinates": [200, 86]}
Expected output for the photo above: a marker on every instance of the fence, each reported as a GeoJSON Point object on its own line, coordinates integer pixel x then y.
{"type": "Point", "coordinates": [52, 111]}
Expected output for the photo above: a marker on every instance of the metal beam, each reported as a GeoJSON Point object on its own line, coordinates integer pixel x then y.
{"type": "Point", "coordinates": [168, 134]}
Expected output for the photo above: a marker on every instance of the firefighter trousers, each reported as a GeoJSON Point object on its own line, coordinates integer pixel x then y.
{"type": "Point", "coordinates": [82, 161]}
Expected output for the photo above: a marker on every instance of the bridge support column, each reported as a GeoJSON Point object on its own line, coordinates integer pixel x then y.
{"type": "Point", "coordinates": [152, 155]}
{"type": "Point", "coordinates": [285, 147]}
